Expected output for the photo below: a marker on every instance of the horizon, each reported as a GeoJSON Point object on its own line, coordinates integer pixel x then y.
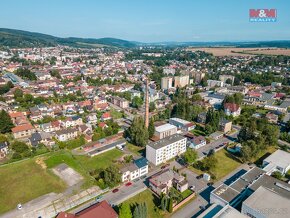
{"type": "Point", "coordinates": [148, 22]}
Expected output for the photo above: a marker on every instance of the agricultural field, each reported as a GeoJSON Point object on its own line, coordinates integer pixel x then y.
{"type": "Point", "coordinates": [232, 51]}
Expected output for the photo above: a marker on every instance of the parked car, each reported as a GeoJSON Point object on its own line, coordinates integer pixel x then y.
{"type": "Point", "coordinates": [99, 198]}
{"type": "Point", "coordinates": [128, 184]}
{"type": "Point", "coordinates": [165, 166]}
{"type": "Point", "coordinates": [19, 206]}
{"type": "Point", "coordinates": [115, 190]}
{"type": "Point", "coordinates": [192, 187]}
{"type": "Point", "coordinates": [199, 176]}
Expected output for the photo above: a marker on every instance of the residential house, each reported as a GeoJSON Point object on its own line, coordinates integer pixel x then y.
{"type": "Point", "coordinates": [41, 137]}
{"type": "Point", "coordinates": [216, 135]}
{"type": "Point", "coordinates": [92, 119]}
{"type": "Point", "coordinates": [66, 134]}
{"type": "Point", "coordinates": [106, 116]}
{"type": "Point", "coordinates": [201, 118]}
{"type": "Point", "coordinates": [72, 122]}
{"type": "Point", "coordinates": [23, 131]}
{"type": "Point", "coordinates": [272, 118]}
{"type": "Point", "coordinates": [197, 142]}
{"type": "Point", "coordinates": [120, 102]}
{"type": "Point", "coordinates": [135, 170]}
{"type": "Point", "coordinates": [232, 109]}
{"type": "Point", "coordinates": [225, 126]}
{"type": "Point", "coordinates": [162, 182]}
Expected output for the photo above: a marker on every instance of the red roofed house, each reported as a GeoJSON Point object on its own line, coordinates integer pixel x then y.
{"type": "Point", "coordinates": [23, 131]}
{"type": "Point", "coordinates": [106, 116]}
{"type": "Point", "coordinates": [99, 210]}
{"type": "Point", "coordinates": [232, 109]}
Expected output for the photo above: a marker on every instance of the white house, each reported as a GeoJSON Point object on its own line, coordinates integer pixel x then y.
{"type": "Point", "coordinates": [232, 109]}
{"type": "Point", "coordinates": [66, 134]}
{"type": "Point", "coordinates": [135, 170]}
{"type": "Point", "coordinates": [182, 124]}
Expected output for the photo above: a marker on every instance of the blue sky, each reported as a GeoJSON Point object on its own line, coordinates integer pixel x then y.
{"type": "Point", "coordinates": [147, 20]}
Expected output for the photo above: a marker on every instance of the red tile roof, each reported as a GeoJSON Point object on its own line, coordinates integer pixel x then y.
{"type": "Point", "coordinates": [22, 128]}
{"type": "Point", "coordinates": [232, 107]}
{"type": "Point", "coordinates": [65, 215]}
{"type": "Point", "coordinates": [100, 210]}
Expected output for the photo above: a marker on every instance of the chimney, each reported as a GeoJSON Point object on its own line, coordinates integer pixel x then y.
{"type": "Point", "coordinates": [147, 104]}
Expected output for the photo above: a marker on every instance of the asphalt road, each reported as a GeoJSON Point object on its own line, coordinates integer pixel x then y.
{"type": "Point", "coordinates": [203, 151]}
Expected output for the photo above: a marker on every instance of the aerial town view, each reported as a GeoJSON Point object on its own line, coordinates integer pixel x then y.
{"type": "Point", "coordinates": [144, 109]}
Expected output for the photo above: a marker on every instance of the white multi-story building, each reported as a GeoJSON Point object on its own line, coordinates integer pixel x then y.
{"type": "Point", "coordinates": [165, 149]}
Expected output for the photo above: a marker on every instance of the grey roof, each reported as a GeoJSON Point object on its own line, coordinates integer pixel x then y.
{"type": "Point", "coordinates": [279, 158]}
{"type": "Point", "coordinates": [229, 212]}
{"type": "Point", "coordinates": [285, 104]}
{"type": "Point", "coordinates": [215, 95]}
{"type": "Point", "coordinates": [65, 131]}
{"type": "Point", "coordinates": [129, 167]}
{"type": "Point", "coordinates": [267, 96]}
{"type": "Point", "coordinates": [247, 179]}
{"type": "Point", "coordinates": [226, 193]}
{"type": "Point", "coordinates": [277, 186]}
{"type": "Point", "coordinates": [166, 141]}
{"type": "Point", "coordinates": [264, 200]}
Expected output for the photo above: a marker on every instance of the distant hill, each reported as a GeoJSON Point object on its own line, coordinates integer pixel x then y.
{"type": "Point", "coordinates": [19, 38]}
{"type": "Point", "coordinates": [22, 39]}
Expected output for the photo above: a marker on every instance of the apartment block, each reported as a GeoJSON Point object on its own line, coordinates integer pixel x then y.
{"type": "Point", "coordinates": [165, 149]}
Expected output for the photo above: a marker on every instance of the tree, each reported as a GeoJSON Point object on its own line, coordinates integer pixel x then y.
{"type": "Point", "coordinates": [137, 102]}
{"type": "Point", "coordinates": [20, 147]}
{"type": "Point", "coordinates": [152, 107]}
{"type": "Point", "coordinates": [170, 205]}
{"type": "Point", "coordinates": [210, 162]}
{"type": "Point", "coordinates": [164, 202]}
{"type": "Point", "coordinates": [18, 93]}
{"type": "Point", "coordinates": [271, 134]}
{"type": "Point", "coordinates": [5, 122]}
{"type": "Point", "coordinates": [125, 211]}
{"type": "Point", "coordinates": [277, 175]}
{"type": "Point", "coordinates": [190, 156]}
{"type": "Point", "coordinates": [213, 120]}
{"type": "Point", "coordinates": [151, 128]}
{"type": "Point", "coordinates": [111, 176]}
{"type": "Point", "coordinates": [137, 132]}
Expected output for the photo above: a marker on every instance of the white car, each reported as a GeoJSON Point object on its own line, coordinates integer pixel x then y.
{"type": "Point", "coordinates": [19, 206]}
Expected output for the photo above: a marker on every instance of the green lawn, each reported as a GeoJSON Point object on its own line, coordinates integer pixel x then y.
{"type": "Point", "coordinates": [24, 181]}
{"type": "Point", "coordinates": [186, 193]}
{"type": "Point", "coordinates": [152, 203]}
{"type": "Point", "coordinates": [135, 149]}
{"type": "Point", "coordinates": [100, 161]}
{"type": "Point", "coordinates": [198, 132]}
{"type": "Point", "coordinates": [116, 114]}
{"type": "Point", "coordinates": [226, 164]}
{"type": "Point", "coordinates": [263, 154]}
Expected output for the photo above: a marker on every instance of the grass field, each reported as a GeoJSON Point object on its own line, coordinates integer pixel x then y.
{"type": "Point", "coordinates": [115, 114]}
{"type": "Point", "coordinates": [84, 164]}
{"type": "Point", "coordinates": [152, 203]}
{"type": "Point", "coordinates": [233, 51]}
{"type": "Point", "coordinates": [135, 149]}
{"type": "Point", "coordinates": [100, 161]}
{"type": "Point", "coordinates": [24, 181]}
{"type": "Point", "coordinates": [226, 164]}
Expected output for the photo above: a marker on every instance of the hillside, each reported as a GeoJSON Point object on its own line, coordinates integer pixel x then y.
{"type": "Point", "coordinates": [22, 39]}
